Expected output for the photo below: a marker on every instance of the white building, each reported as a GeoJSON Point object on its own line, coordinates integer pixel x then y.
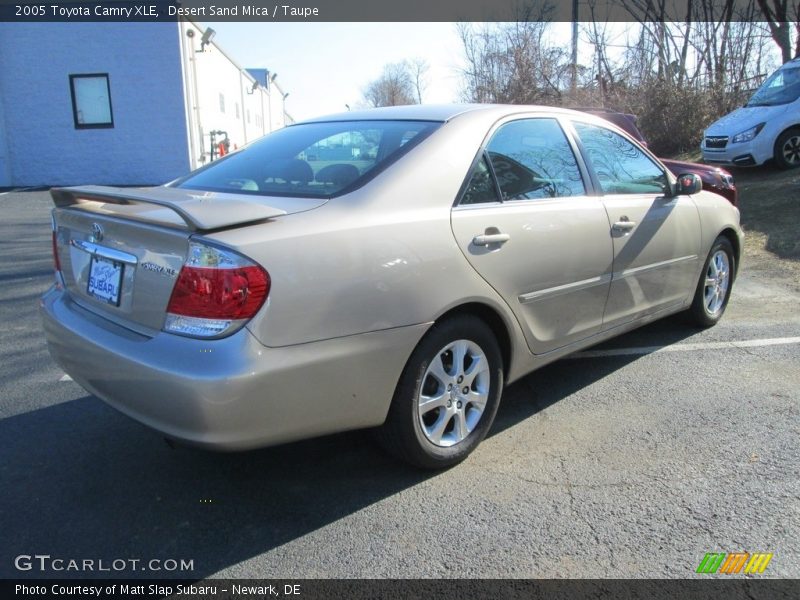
{"type": "Point", "coordinates": [123, 103]}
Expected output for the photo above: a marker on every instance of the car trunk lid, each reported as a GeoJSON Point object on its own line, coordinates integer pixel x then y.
{"type": "Point", "coordinates": [121, 249]}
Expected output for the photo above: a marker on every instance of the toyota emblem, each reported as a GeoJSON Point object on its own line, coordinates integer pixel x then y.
{"type": "Point", "coordinates": [97, 232]}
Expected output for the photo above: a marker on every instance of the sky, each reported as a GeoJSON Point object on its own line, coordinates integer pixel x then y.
{"type": "Point", "coordinates": [324, 66]}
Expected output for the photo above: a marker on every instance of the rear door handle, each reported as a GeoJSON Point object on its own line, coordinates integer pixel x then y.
{"type": "Point", "coordinates": [490, 238]}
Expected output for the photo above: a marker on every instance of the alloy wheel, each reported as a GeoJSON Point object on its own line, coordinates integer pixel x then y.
{"type": "Point", "coordinates": [454, 393]}
{"type": "Point", "coordinates": [717, 282]}
{"type": "Point", "coordinates": [791, 150]}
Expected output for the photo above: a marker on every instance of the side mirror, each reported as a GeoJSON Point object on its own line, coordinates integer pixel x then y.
{"type": "Point", "coordinates": [688, 184]}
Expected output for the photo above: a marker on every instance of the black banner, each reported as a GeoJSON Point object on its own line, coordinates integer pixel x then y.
{"type": "Point", "coordinates": [410, 589]}
{"type": "Point", "coordinates": [361, 10]}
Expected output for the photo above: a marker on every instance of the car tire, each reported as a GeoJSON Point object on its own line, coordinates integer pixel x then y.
{"type": "Point", "coordinates": [715, 284]}
{"type": "Point", "coordinates": [787, 149]}
{"type": "Point", "coordinates": [443, 407]}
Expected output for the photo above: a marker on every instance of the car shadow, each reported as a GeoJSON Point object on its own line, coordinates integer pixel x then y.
{"type": "Point", "coordinates": [558, 380]}
{"type": "Point", "coordinates": [80, 481]}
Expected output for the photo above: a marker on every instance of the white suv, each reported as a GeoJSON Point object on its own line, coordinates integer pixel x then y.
{"type": "Point", "coordinates": [768, 126]}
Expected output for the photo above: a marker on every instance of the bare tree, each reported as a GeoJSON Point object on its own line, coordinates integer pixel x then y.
{"type": "Point", "coordinates": [514, 62]}
{"type": "Point", "coordinates": [604, 72]}
{"type": "Point", "coordinates": [717, 44]}
{"type": "Point", "coordinates": [667, 28]}
{"type": "Point", "coordinates": [417, 69]}
{"type": "Point", "coordinates": [684, 63]}
{"type": "Point", "coordinates": [781, 18]}
{"type": "Point", "coordinates": [395, 87]}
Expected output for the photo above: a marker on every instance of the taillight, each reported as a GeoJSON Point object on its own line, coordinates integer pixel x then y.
{"type": "Point", "coordinates": [56, 260]}
{"type": "Point", "coordinates": [216, 292]}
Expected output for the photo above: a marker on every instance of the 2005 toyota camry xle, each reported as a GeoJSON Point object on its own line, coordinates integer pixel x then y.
{"type": "Point", "coordinates": [389, 269]}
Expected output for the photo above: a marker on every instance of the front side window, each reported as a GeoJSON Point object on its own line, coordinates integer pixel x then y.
{"type": "Point", "coordinates": [532, 159]}
{"type": "Point", "coordinates": [621, 166]}
{"type": "Point", "coordinates": [312, 159]}
{"type": "Point", "coordinates": [91, 101]}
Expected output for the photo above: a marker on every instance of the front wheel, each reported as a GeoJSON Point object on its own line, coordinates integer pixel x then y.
{"type": "Point", "coordinates": [447, 396]}
{"type": "Point", "coordinates": [787, 149]}
{"type": "Point", "coordinates": [714, 288]}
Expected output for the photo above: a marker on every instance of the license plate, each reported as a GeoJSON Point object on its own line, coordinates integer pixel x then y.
{"type": "Point", "coordinates": [105, 279]}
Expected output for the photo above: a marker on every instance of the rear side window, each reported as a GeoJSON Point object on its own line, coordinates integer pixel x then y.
{"type": "Point", "coordinates": [312, 159]}
{"type": "Point", "coordinates": [480, 188]}
{"type": "Point", "coordinates": [621, 167]}
{"type": "Point", "coordinates": [532, 159]}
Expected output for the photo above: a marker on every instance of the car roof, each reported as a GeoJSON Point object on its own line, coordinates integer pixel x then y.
{"type": "Point", "coordinates": [432, 112]}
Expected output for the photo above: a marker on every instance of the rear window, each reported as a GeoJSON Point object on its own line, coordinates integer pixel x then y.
{"type": "Point", "coordinates": [782, 87]}
{"type": "Point", "coordinates": [312, 159]}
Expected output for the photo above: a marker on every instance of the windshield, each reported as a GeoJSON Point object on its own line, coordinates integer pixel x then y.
{"type": "Point", "coordinates": [311, 159]}
{"type": "Point", "coordinates": [782, 87]}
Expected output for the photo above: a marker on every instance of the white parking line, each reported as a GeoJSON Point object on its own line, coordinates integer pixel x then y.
{"type": "Point", "coordinates": [686, 347]}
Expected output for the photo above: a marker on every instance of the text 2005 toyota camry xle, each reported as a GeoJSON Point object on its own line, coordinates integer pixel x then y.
{"type": "Point", "coordinates": [393, 267]}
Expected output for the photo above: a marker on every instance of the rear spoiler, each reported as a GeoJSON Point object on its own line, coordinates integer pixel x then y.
{"type": "Point", "coordinates": [201, 211]}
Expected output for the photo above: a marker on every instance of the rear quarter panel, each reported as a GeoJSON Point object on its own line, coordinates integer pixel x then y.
{"type": "Point", "coordinates": [381, 257]}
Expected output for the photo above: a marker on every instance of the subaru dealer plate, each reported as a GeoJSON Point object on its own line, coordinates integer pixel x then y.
{"type": "Point", "coordinates": [105, 279]}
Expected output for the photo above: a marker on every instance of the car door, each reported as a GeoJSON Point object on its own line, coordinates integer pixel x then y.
{"type": "Point", "coordinates": [526, 224]}
{"type": "Point", "coordinates": [656, 235]}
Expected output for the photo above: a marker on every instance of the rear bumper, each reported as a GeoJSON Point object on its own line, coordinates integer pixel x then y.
{"type": "Point", "coordinates": [232, 393]}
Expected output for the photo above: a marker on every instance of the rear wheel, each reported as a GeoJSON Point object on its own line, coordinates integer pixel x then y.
{"type": "Point", "coordinates": [714, 288]}
{"type": "Point", "coordinates": [447, 396]}
{"type": "Point", "coordinates": [787, 149]}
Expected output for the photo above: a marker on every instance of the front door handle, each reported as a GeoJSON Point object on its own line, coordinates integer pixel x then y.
{"type": "Point", "coordinates": [487, 239]}
{"type": "Point", "coordinates": [624, 224]}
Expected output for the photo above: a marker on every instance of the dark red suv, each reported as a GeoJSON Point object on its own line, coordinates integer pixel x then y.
{"type": "Point", "coordinates": [715, 179]}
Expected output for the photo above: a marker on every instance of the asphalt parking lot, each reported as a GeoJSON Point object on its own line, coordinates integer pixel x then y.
{"type": "Point", "coordinates": [631, 460]}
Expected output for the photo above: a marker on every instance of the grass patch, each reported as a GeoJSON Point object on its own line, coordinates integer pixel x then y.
{"type": "Point", "coordinates": [769, 200]}
{"type": "Point", "coordinates": [690, 156]}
